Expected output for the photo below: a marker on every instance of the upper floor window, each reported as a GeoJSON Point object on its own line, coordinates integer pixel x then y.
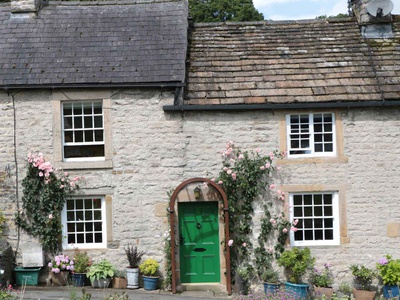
{"type": "Point", "coordinates": [84, 223]}
{"type": "Point", "coordinates": [311, 134]}
{"type": "Point", "coordinates": [318, 218]}
{"type": "Point", "coordinates": [83, 131]}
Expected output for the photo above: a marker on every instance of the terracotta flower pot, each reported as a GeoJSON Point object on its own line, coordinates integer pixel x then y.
{"type": "Point", "coordinates": [363, 295]}
{"type": "Point", "coordinates": [323, 292]}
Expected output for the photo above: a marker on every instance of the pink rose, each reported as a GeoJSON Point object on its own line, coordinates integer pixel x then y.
{"type": "Point", "coordinates": [262, 168]}
{"type": "Point", "coordinates": [234, 176]}
{"type": "Point", "coordinates": [229, 172]}
{"type": "Point", "coordinates": [284, 230]}
{"type": "Point", "coordinates": [294, 229]}
{"type": "Point", "coordinates": [272, 186]}
{"type": "Point", "coordinates": [230, 243]}
{"type": "Point", "coordinates": [244, 244]}
{"type": "Point", "coordinates": [220, 182]}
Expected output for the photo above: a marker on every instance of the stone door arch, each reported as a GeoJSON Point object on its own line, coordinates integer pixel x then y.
{"type": "Point", "coordinates": [199, 189]}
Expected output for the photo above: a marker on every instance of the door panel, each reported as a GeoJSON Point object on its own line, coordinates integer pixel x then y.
{"type": "Point", "coordinates": [199, 242]}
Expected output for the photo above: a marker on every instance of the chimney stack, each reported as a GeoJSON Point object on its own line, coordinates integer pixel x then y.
{"type": "Point", "coordinates": [25, 6]}
{"type": "Point", "coordinates": [374, 18]}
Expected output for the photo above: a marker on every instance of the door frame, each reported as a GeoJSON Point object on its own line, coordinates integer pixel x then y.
{"type": "Point", "coordinates": [225, 213]}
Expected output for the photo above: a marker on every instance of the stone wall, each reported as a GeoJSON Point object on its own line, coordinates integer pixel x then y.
{"type": "Point", "coordinates": [154, 151]}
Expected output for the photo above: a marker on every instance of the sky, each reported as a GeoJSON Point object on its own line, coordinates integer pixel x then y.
{"type": "Point", "coordinates": [305, 9]}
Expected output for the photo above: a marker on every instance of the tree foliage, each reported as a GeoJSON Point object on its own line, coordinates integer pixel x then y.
{"type": "Point", "coordinates": [224, 11]}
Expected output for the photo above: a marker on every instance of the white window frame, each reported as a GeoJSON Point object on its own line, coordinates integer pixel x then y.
{"type": "Point", "coordinates": [336, 220]}
{"type": "Point", "coordinates": [311, 133]}
{"type": "Point", "coordinates": [78, 159]}
{"type": "Point", "coordinates": [64, 221]}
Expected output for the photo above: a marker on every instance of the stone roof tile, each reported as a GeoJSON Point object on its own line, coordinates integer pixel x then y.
{"type": "Point", "coordinates": [283, 62]}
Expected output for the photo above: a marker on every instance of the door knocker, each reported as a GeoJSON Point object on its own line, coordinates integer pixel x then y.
{"type": "Point", "coordinates": [198, 225]}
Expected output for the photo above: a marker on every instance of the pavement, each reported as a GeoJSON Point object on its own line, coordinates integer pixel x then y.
{"type": "Point", "coordinates": [75, 293]}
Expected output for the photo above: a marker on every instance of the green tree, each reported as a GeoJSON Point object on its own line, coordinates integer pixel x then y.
{"type": "Point", "coordinates": [224, 11]}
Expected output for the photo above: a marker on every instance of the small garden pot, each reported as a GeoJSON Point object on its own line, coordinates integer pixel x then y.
{"type": "Point", "coordinates": [79, 279]}
{"type": "Point", "coordinates": [60, 279]}
{"type": "Point", "coordinates": [119, 283]}
{"type": "Point", "coordinates": [390, 291]}
{"type": "Point", "coordinates": [323, 293]}
{"type": "Point", "coordinates": [132, 275]}
{"type": "Point", "coordinates": [150, 283]}
{"type": "Point", "coordinates": [101, 283]}
{"type": "Point", "coordinates": [363, 295]}
{"type": "Point", "coordinates": [271, 288]}
{"type": "Point", "coordinates": [300, 290]}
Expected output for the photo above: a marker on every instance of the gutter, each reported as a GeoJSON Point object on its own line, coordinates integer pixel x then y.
{"type": "Point", "coordinates": [96, 85]}
{"type": "Point", "coordinates": [246, 107]}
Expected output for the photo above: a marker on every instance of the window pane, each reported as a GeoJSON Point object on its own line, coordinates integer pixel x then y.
{"type": "Point", "coordinates": [308, 211]}
{"type": "Point", "coordinates": [294, 144]}
{"type": "Point", "coordinates": [328, 223]}
{"type": "Point", "coordinates": [318, 223]}
{"type": "Point", "coordinates": [79, 215]}
{"type": "Point", "coordinates": [328, 147]}
{"type": "Point", "coordinates": [88, 136]}
{"type": "Point", "coordinates": [98, 237]}
{"type": "Point", "coordinates": [318, 138]}
{"type": "Point", "coordinates": [78, 204]}
{"type": "Point", "coordinates": [328, 127]}
{"type": "Point", "coordinates": [328, 118]}
{"type": "Point", "coordinates": [80, 238]}
{"type": "Point", "coordinates": [89, 226]}
{"type": "Point", "coordinates": [328, 211]}
{"type": "Point", "coordinates": [88, 203]}
{"type": "Point", "coordinates": [319, 234]}
{"type": "Point", "coordinates": [97, 226]}
{"type": "Point", "coordinates": [71, 239]}
{"type": "Point", "coordinates": [88, 215]}
{"type": "Point", "coordinates": [67, 122]}
{"type": "Point", "coordinates": [97, 108]}
{"type": "Point", "coordinates": [318, 199]}
{"type": "Point", "coordinates": [298, 235]}
{"type": "Point", "coordinates": [87, 108]}
{"type": "Point", "coordinates": [79, 227]}
{"type": "Point", "coordinates": [67, 109]}
{"type": "Point", "coordinates": [329, 234]}
{"type": "Point", "coordinates": [97, 215]}
{"type": "Point", "coordinates": [97, 203]}
{"type": "Point", "coordinates": [89, 237]}
{"type": "Point", "coordinates": [318, 148]}
{"type": "Point", "coordinates": [297, 211]}
{"type": "Point", "coordinates": [308, 199]}
{"type": "Point", "coordinates": [308, 223]}
{"type": "Point", "coordinates": [305, 143]}
{"type": "Point", "coordinates": [71, 216]}
{"type": "Point", "coordinates": [88, 122]}
{"type": "Point", "coordinates": [297, 200]}
{"type": "Point", "coordinates": [318, 127]}
{"type": "Point", "coordinates": [98, 122]}
{"type": "Point", "coordinates": [68, 136]}
{"type": "Point", "coordinates": [308, 235]}
{"type": "Point", "coordinates": [70, 204]}
{"type": "Point", "coordinates": [327, 199]}
{"type": "Point", "coordinates": [71, 227]}
{"type": "Point", "coordinates": [78, 136]}
{"type": "Point", "coordinates": [98, 135]}
{"type": "Point", "coordinates": [77, 122]}
{"type": "Point", "coordinates": [318, 211]}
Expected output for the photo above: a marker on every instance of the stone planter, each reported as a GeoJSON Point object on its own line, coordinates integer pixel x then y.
{"type": "Point", "coordinates": [132, 276]}
{"type": "Point", "coordinates": [323, 293]}
{"type": "Point", "coordinates": [60, 279]}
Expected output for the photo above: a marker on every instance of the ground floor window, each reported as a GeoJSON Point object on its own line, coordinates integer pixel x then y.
{"type": "Point", "coordinates": [318, 218]}
{"type": "Point", "coordinates": [84, 223]}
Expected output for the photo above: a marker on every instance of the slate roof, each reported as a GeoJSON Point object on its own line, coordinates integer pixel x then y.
{"type": "Point", "coordinates": [84, 44]}
{"type": "Point", "coordinates": [290, 61]}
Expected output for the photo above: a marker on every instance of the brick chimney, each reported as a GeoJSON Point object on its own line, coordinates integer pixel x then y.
{"type": "Point", "coordinates": [372, 26]}
{"type": "Point", "coordinates": [25, 6]}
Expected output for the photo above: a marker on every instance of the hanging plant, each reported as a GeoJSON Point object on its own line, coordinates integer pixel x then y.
{"type": "Point", "coordinates": [44, 196]}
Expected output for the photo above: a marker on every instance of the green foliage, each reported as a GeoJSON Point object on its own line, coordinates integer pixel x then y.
{"type": "Point", "coordinates": [44, 195]}
{"type": "Point", "coordinates": [134, 256]}
{"type": "Point", "coordinates": [224, 11]}
{"type": "Point", "coordinates": [322, 278]}
{"type": "Point", "coordinates": [116, 296]}
{"type": "Point", "coordinates": [149, 267]}
{"type": "Point", "coordinates": [244, 178]}
{"type": "Point", "coordinates": [296, 262]}
{"type": "Point", "coordinates": [363, 276]}
{"type": "Point", "coordinates": [120, 274]}
{"type": "Point", "coordinates": [389, 270]}
{"type": "Point", "coordinates": [102, 269]}
{"type": "Point", "coordinates": [2, 222]}
{"type": "Point", "coordinates": [270, 276]}
{"type": "Point", "coordinates": [339, 16]}
{"type": "Point", "coordinates": [85, 296]}
{"type": "Point", "coordinates": [81, 261]}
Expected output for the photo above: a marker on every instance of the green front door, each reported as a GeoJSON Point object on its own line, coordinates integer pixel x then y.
{"type": "Point", "coordinates": [199, 242]}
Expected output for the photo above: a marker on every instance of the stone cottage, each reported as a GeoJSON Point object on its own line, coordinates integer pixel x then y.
{"type": "Point", "coordinates": [164, 98]}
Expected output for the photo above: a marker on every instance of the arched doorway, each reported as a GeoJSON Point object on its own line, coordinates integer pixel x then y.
{"type": "Point", "coordinates": [199, 220]}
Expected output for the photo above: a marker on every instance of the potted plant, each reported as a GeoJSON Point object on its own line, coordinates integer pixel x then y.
{"type": "Point", "coordinates": [296, 263]}
{"type": "Point", "coordinates": [271, 280]}
{"type": "Point", "coordinates": [59, 269]}
{"type": "Point", "coordinates": [119, 281]}
{"type": "Point", "coordinates": [322, 281]}
{"type": "Point", "coordinates": [81, 266]}
{"type": "Point", "coordinates": [389, 273]}
{"type": "Point", "coordinates": [100, 273]}
{"type": "Point", "coordinates": [132, 272]}
{"type": "Point", "coordinates": [149, 269]}
{"type": "Point", "coordinates": [363, 277]}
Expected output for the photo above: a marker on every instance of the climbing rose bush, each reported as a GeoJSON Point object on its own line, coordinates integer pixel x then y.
{"type": "Point", "coordinates": [45, 191]}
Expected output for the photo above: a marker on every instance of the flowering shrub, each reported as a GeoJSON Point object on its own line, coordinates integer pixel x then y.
{"type": "Point", "coordinates": [389, 270]}
{"type": "Point", "coordinates": [44, 195]}
{"type": "Point", "coordinates": [363, 276]}
{"type": "Point", "coordinates": [61, 263]}
{"type": "Point", "coordinates": [10, 293]}
{"type": "Point", "coordinates": [324, 277]}
{"type": "Point", "coordinates": [244, 178]}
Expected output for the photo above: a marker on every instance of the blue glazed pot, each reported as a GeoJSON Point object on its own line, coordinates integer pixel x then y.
{"type": "Point", "coordinates": [150, 283]}
{"type": "Point", "coordinates": [300, 290]}
{"type": "Point", "coordinates": [271, 288]}
{"type": "Point", "coordinates": [390, 291]}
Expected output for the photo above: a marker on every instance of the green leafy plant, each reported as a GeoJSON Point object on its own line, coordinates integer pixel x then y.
{"type": "Point", "coordinates": [44, 196]}
{"type": "Point", "coordinates": [324, 277]}
{"type": "Point", "coordinates": [362, 276]}
{"type": "Point", "coordinates": [120, 274]}
{"type": "Point", "coordinates": [102, 269]}
{"type": "Point", "coordinates": [149, 267]}
{"type": "Point", "coordinates": [81, 261]}
{"type": "Point", "coordinates": [270, 276]}
{"type": "Point", "coordinates": [134, 256]}
{"type": "Point", "coordinates": [296, 263]}
{"type": "Point", "coordinates": [389, 270]}
{"type": "Point", "coordinates": [244, 177]}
